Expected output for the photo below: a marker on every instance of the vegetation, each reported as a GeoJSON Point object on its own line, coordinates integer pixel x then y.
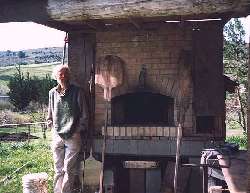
{"type": "Point", "coordinates": [31, 56]}
{"type": "Point", "coordinates": [37, 153]}
{"type": "Point", "coordinates": [7, 116]}
{"type": "Point", "coordinates": [21, 54]}
{"type": "Point", "coordinates": [23, 89]}
{"type": "Point", "coordinates": [38, 70]}
{"type": "Point", "coordinates": [240, 140]}
{"type": "Point", "coordinates": [236, 67]}
{"type": "Point", "coordinates": [20, 90]}
{"type": "Point", "coordinates": [14, 155]}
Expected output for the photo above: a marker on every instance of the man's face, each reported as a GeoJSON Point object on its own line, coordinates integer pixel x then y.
{"type": "Point", "coordinates": [62, 76]}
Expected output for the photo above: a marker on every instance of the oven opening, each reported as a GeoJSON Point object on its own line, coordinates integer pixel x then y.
{"type": "Point", "coordinates": [142, 108]}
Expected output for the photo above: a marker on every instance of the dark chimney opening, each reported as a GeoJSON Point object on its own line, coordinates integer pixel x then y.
{"type": "Point", "coordinates": [142, 108]}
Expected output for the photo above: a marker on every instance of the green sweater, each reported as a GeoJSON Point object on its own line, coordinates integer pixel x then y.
{"type": "Point", "coordinates": [67, 112]}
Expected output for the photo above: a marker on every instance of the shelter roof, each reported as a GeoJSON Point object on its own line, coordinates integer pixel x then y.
{"type": "Point", "coordinates": [73, 14]}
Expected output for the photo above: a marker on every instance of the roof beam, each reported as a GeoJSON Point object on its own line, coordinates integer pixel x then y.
{"type": "Point", "coordinates": [76, 12]}
{"type": "Point", "coordinates": [135, 23]}
{"type": "Point", "coordinates": [117, 9]}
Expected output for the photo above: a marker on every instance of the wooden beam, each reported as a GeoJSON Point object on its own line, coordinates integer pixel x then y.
{"type": "Point", "coordinates": [135, 23]}
{"type": "Point", "coordinates": [96, 9]}
{"type": "Point", "coordinates": [21, 11]}
{"type": "Point", "coordinates": [248, 125]}
{"type": "Point", "coordinates": [76, 11]}
{"type": "Point", "coordinates": [140, 164]}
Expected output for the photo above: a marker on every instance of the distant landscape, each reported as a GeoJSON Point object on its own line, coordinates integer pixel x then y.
{"type": "Point", "coordinates": [31, 56]}
{"type": "Point", "coordinates": [36, 62]}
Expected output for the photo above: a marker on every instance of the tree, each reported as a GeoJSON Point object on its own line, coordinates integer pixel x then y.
{"type": "Point", "coordinates": [236, 66]}
{"type": "Point", "coordinates": [19, 90]}
{"type": "Point", "coordinates": [24, 89]}
{"type": "Point", "coordinates": [8, 53]}
{"type": "Point", "coordinates": [21, 54]}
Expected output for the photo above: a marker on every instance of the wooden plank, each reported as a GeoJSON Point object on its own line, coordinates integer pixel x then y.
{"type": "Point", "coordinates": [72, 14]}
{"type": "Point", "coordinates": [140, 164]}
{"type": "Point", "coordinates": [81, 57]}
{"type": "Point", "coordinates": [141, 131]}
{"type": "Point", "coordinates": [208, 62]}
{"type": "Point", "coordinates": [215, 189]}
{"type": "Point", "coordinates": [248, 118]}
{"type": "Point", "coordinates": [153, 180]}
{"type": "Point", "coordinates": [136, 181]}
{"type": "Point", "coordinates": [168, 178]}
{"type": "Point", "coordinates": [108, 9]}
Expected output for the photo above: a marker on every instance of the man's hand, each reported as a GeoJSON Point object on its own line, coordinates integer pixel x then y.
{"type": "Point", "coordinates": [49, 123]}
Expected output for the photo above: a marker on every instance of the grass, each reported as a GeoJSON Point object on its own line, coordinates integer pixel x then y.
{"type": "Point", "coordinates": [13, 155]}
{"type": "Point", "coordinates": [240, 140]}
{"type": "Point", "coordinates": [8, 116]}
{"type": "Point", "coordinates": [39, 70]}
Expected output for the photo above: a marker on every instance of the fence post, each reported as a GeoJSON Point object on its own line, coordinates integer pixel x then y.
{"type": "Point", "coordinates": [29, 134]}
{"type": "Point", "coordinates": [44, 128]}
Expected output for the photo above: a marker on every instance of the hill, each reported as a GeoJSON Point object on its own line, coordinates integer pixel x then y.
{"type": "Point", "coordinates": [39, 70]}
{"type": "Point", "coordinates": [31, 56]}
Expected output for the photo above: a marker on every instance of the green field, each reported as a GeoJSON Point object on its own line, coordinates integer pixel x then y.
{"type": "Point", "coordinates": [35, 155]}
{"type": "Point", "coordinates": [39, 70]}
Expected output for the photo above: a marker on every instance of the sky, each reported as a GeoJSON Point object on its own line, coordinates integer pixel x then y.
{"type": "Point", "coordinates": [17, 36]}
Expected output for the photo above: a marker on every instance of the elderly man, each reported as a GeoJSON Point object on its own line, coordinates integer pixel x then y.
{"type": "Point", "coordinates": [67, 115]}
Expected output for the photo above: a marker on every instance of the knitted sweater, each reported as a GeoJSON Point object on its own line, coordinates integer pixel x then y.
{"type": "Point", "coordinates": [67, 112]}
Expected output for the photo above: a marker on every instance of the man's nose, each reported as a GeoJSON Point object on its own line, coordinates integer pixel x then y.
{"type": "Point", "coordinates": [61, 75]}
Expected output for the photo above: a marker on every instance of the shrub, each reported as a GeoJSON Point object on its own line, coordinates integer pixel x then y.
{"type": "Point", "coordinates": [20, 90]}
{"type": "Point", "coordinates": [5, 105]}
{"type": "Point", "coordinates": [240, 140]}
{"type": "Point", "coordinates": [8, 116]}
{"type": "Point", "coordinates": [23, 90]}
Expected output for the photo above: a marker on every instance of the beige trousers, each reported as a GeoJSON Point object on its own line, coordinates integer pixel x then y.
{"type": "Point", "coordinates": [66, 155]}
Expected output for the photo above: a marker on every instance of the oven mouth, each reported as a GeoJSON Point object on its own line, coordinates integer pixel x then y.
{"type": "Point", "coordinates": [142, 109]}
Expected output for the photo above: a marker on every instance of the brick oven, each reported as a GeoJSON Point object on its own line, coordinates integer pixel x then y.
{"type": "Point", "coordinates": [147, 103]}
{"type": "Point", "coordinates": [143, 113]}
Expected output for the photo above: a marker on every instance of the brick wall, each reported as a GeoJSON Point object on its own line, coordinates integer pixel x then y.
{"type": "Point", "coordinates": [159, 51]}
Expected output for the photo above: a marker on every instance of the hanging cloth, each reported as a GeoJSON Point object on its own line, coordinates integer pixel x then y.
{"type": "Point", "coordinates": [109, 74]}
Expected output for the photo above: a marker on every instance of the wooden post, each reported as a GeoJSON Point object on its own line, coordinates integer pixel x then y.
{"type": "Point", "coordinates": [205, 178]}
{"type": "Point", "coordinates": [28, 133]}
{"type": "Point", "coordinates": [44, 128]}
{"type": "Point", "coordinates": [248, 118]}
{"type": "Point", "coordinates": [177, 158]}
